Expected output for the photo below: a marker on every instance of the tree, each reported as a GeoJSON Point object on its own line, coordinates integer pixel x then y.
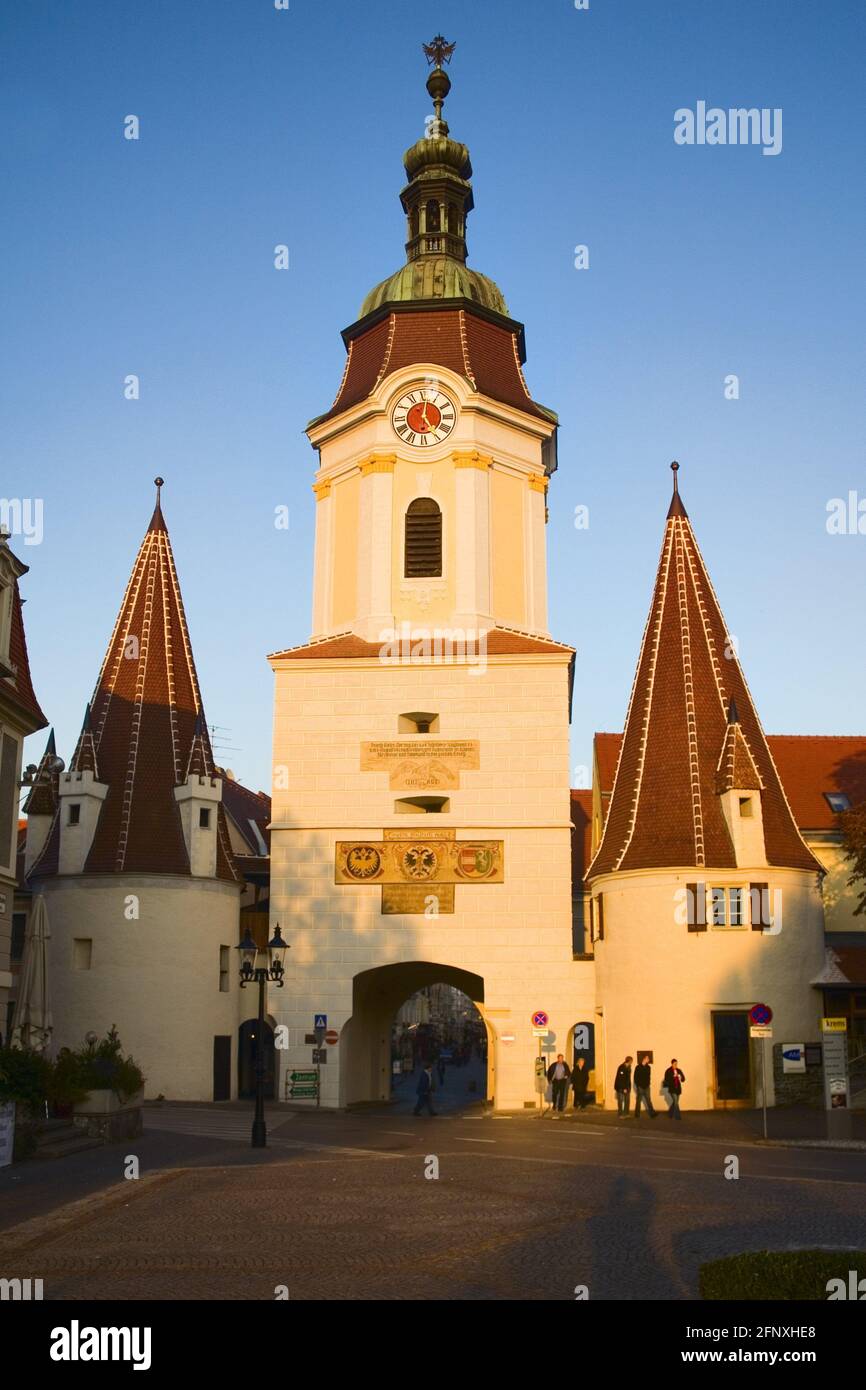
{"type": "Point", "coordinates": [853, 824]}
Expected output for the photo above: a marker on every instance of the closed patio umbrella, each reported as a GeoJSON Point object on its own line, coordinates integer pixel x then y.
{"type": "Point", "coordinates": [32, 1025]}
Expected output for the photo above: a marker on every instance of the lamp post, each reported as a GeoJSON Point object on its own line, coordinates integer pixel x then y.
{"type": "Point", "coordinates": [252, 973]}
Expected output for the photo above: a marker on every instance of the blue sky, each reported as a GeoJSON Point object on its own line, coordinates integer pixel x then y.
{"type": "Point", "coordinates": [261, 127]}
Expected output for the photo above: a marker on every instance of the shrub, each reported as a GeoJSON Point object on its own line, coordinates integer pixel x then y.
{"type": "Point", "coordinates": [778, 1274]}
{"type": "Point", "coordinates": [96, 1067]}
{"type": "Point", "coordinates": [25, 1077]}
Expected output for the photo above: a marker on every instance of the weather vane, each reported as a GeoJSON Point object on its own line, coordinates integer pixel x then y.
{"type": "Point", "coordinates": [438, 51]}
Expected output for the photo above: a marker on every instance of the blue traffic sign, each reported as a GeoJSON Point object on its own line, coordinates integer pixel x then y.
{"type": "Point", "coordinates": [320, 1020]}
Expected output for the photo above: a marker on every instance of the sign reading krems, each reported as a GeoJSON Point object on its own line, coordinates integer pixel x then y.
{"type": "Point", "coordinates": [419, 867]}
{"type": "Point", "coordinates": [429, 765]}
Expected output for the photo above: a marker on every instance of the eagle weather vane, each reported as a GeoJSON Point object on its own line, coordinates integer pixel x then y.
{"type": "Point", "coordinates": [438, 51]}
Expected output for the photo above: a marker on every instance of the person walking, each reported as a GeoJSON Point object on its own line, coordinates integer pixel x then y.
{"type": "Point", "coordinates": [673, 1084]}
{"type": "Point", "coordinates": [425, 1091]}
{"type": "Point", "coordinates": [622, 1087]}
{"type": "Point", "coordinates": [642, 1083]}
{"type": "Point", "coordinates": [559, 1075]}
{"type": "Point", "coordinates": [580, 1083]}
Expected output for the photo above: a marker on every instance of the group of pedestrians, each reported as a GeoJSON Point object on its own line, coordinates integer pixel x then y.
{"type": "Point", "coordinates": [561, 1076]}
{"type": "Point", "coordinates": [674, 1080]}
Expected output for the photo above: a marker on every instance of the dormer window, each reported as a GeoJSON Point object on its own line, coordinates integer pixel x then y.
{"type": "Point", "coordinates": [747, 807]}
{"type": "Point", "coordinates": [75, 813]}
{"type": "Point", "coordinates": [838, 802]}
{"type": "Point", "coordinates": [204, 818]}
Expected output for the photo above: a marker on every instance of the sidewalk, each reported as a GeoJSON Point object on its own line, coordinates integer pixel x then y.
{"type": "Point", "coordinates": [785, 1125]}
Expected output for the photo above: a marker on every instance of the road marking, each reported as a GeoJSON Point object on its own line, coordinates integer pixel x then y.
{"type": "Point", "coordinates": [476, 1141]}
{"type": "Point", "coordinates": [405, 1133]}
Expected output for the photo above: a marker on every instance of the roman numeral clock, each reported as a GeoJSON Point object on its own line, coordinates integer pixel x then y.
{"type": "Point", "coordinates": [424, 417]}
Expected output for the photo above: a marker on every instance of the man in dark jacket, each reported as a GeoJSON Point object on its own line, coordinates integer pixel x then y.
{"type": "Point", "coordinates": [559, 1074]}
{"type": "Point", "coordinates": [642, 1082]}
{"type": "Point", "coordinates": [425, 1091]}
{"type": "Point", "coordinates": [673, 1084]}
{"type": "Point", "coordinates": [622, 1087]}
{"type": "Point", "coordinates": [580, 1082]}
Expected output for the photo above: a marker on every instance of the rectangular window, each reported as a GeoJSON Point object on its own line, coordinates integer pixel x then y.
{"type": "Point", "coordinates": [735, 907]}
{"type": "Point", "coordinates": [204, 818]}
{"type": "Point", "coordinates": [82, 952]}
{"type": "Point", "coordinates": [75, 813]}
{"type": "Point", "coordinates": [225, 957]}
{"type": "Point", "coordinates": [19, 925]}
{"type": "Point", "coordinates": [719, 913]}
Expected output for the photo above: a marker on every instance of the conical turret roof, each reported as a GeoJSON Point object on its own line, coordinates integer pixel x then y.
{"type": "Point", "coordinates": [679, 741]}
{"type": "Point", "coordinates": [144, 729]}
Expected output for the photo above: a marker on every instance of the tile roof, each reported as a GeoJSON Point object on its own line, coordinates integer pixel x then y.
{"type": "Point", "coordinates": [808, 764]}
{"type": "Point", "coordinates": [581, 836]}
{"type": "Point", "coordinates": [144, 727]}
{"type": "Point", "coordinates": [18, 688]}
{"type": "Point", "coordinates": [346, 645]}
{"type": "Point", "coordinates": [485, 349]}
{"type": "Point", "coordinates": [665, 809]}
{"type": "Point", "coordinates": [243, 805]}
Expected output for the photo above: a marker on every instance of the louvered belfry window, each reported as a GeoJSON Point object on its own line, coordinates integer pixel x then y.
{"type": "Point", "coordinates": [423, 539]}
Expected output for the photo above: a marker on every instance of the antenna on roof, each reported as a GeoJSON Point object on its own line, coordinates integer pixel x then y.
{"type": "Point", "coordinates": [675, 468]}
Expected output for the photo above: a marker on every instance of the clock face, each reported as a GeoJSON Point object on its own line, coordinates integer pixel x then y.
{"type": "Point", "coordinates": [424, 416]}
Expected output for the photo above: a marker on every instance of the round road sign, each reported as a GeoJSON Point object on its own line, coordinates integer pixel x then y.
{"type": "Point", "coordinates": [760, 1015]}
{"type": "Point", "coordinates": [332, 1036]}
{"type": "Point", "coordinates": [539, 1019]}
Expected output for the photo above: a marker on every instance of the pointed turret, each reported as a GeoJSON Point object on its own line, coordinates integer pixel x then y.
{"type": "Point", "coordinates": [692, 732]}
{"type": "Point", "coordinates": [143, 731]}
{"type": "Point", "coordinates": [42, 797]}
{"type": "Point", "coordinates": [84, 757]}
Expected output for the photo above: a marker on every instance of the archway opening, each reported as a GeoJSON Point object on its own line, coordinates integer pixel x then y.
{"type": "Point", "coordinates": [367, 1047]}
{"type": "Point", "coordinates": [440, 1029]}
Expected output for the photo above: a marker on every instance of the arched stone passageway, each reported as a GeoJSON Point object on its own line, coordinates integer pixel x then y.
{"type": "Point", "coordinates": [377, 995]}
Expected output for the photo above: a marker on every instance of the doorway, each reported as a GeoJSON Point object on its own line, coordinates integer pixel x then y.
{"type": "Point", "coordinates": [222, 1067]}
{"type": "Point", "coordinates": [733, 1083]}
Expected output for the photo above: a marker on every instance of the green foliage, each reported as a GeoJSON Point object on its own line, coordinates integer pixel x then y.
{"type": "Point", "coordinates": [96, 1067]}
{"type": "Point", "coordinates": [853, 824]}
{"type": "Point", "coordinates": [25, 1077]}
{"type": "Point", "coordinates": [31, 1079]}
{"type": "Point", "coordinates": [779, 1274]}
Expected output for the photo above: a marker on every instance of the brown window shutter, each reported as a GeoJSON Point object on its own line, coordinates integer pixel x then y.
{"type": "Point", "coordinates": [601, 917]}
{"type": "Point", "coordinates": [696, 900]}
{"type": "Point", "coordinates": [759, 900]}
{"type": "Point", "coordinates": [592, 919]}
{"type": "Point", "coordinates": [423, 539]}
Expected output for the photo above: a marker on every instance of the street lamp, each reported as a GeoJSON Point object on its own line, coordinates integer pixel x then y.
{"type": "Point", "coordinates": [251, 973]}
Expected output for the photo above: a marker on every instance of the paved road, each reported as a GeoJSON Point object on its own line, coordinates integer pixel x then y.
{"type": "Point", "coordinates": [339, 1206]}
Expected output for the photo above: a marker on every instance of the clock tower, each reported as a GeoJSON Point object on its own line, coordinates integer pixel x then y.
{"type": "Point", "coordinates": [421, 825]}
{"type": "Point", "coordinates": [434, 460]}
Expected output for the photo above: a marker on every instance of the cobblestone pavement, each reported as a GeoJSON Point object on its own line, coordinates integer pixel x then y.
{"type": "Point", "coordinates": [339, 1207]}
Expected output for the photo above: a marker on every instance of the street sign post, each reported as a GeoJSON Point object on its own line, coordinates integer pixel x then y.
{"type": "Point", "coordinates": [836, 1086]}
{"type": "Point", "coordinates": [332, 1037]}
{"type": "Point", "coordinates": [304, 1085]}
{"type": "Point", "coordinates": [760, 1018]}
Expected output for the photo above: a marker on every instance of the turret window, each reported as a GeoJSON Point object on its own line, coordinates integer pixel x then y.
{"type": "Point", "coordinates": [423, 548]}
{"type": "Point", "coordinates": [204, 818]}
